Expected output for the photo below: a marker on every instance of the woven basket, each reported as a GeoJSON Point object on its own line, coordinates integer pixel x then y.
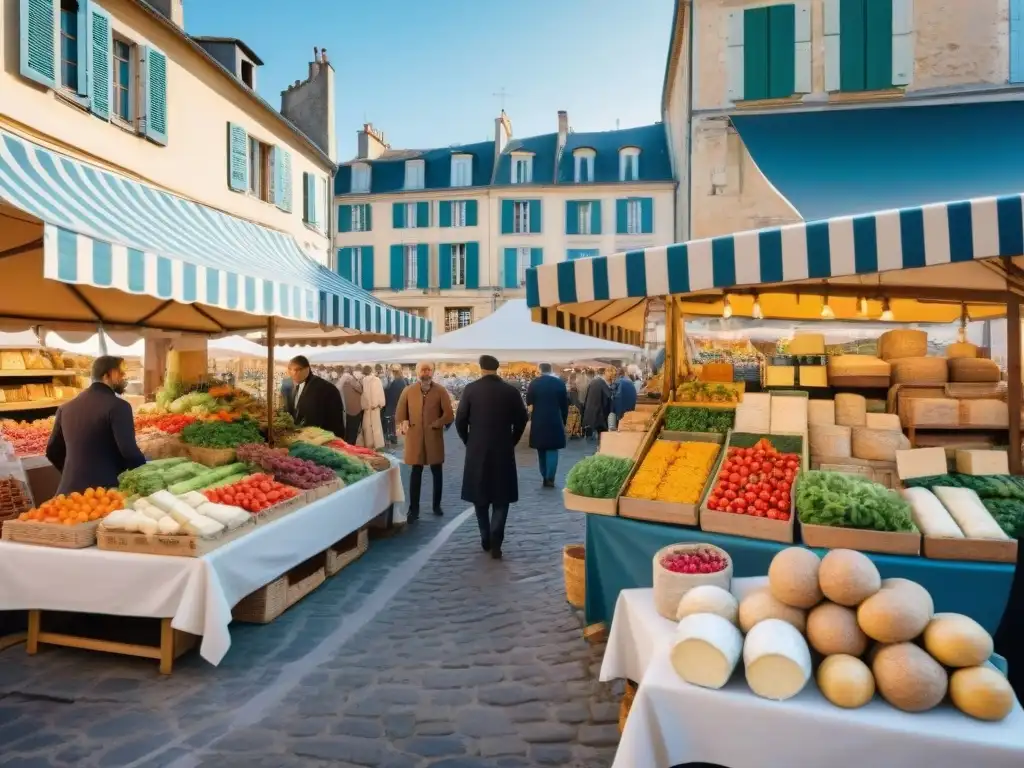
{"type": "Point", "coordinates": [574, 559]}
{"type": "Point", "coordinates": [347, 551]}
{"type": "Point", "coordinates": [77, 536]}
{"type": "Point", "coordinates": [626, 704]}
{"type": "Point", "coordinates": [267, 603]}
{"type": "Point", "coordinates": [211, 457]}
{"type": "Point", "coordinates": [670, 587]}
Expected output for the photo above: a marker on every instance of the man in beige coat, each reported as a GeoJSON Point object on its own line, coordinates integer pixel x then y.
{"type": "Point", "coordinates": [352, 395]}
{"type": "Point", "coordinates": [424, 410]}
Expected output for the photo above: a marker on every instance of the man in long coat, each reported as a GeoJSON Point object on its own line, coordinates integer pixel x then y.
{"type": "Point", "coordinates": [549, 399]}
{"type": "Point", "coordinates": [597, 405]}
{"type": "Point", "coordinates": [424, 410]}
{"type": "Point", "coordinates": [490, 421]}
{"type": "Point", "coordinates": [372, 401]}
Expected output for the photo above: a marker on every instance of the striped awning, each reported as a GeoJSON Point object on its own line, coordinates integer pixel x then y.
{"type": "Point", "coordinates": [939, 244]}
{"type": "Point", "coordinates": [103, 230]}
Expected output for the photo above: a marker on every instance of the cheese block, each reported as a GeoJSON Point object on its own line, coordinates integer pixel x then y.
{"type": "Point", "coordinates": [883, 421]}
{"type": "Point", "coordinates": [789, 415]}
{"type": "Point", "coordinates": [967, 369]}
{"type": "Point", "coordinates": [753, 415]}
{"type": "Point", "coordinates": [900, 343]}
{"type": "Point", "coordinates": [857, 365]}
{"type": "Point", "coordinates": [971, 517]}
{"type": "Point", "coordinates": [920, 462]}
{"type": "Point", "coordinates": [877, 444]}
{"type": "Point", "coordinates": [776, 659]}
{"type": "Point", "coordinates": [994, 413]}
{"type": "Point", "coordinates": [851, 410]}
{"type": "Point", "coordinates": [813, 376]}
{"type": "Point", "coordinates": [930, 517]}
{"type": "Point", "coordinates": [709, 598]}
{"type": "Point", "coordinates": [721, 372]}
{"type": "Point", "coordinates": [982, 462]}
{"type": "Point", "coordinates": [933, 412]}
{"type": "Point", "coordinates": [961, 349]}
{"type": "Point", "coordinates": [806, 344]}
{"type": "Point", "coordinates": [821, 413]}
{"type": "Point", "coordinates": [920, 370]}
{"type": "Point", "coordinates": [825, 440]}
{"type": "Point", "coordinates": [780, 375]}
{"type": "Point", "coordinates": [706, 649]}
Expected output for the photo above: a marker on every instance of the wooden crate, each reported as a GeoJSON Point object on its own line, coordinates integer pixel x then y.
{"type": "Point", "coordinates": [347, 551]}
{"type": "Point", "coordinates": [178, 545]}
{"type": "Point", "coordinates": [887, 542]}
{"type": "Point", "coordinates": [270, 601]}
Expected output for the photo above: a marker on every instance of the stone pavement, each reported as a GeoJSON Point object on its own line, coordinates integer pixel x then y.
{"type": "Point", "coordinates": [425, 652]}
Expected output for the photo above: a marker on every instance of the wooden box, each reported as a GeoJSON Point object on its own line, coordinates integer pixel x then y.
{"type": "Point", "coordinates": [179, 545]}
{"type": "Point", "coordinates": [576, 503]}
{"type": "Point", "coordinates": [981, 550]}
{"type": "Point", "coordinates": [889, 542]}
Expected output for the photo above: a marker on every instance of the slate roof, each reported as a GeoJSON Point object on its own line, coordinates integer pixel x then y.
{"type": "Point", "coordinates": [388, 171]}
{"type": "Point", "coordinates": [544, 149]}
{"type": "Point", "coordinates": [650, 139]}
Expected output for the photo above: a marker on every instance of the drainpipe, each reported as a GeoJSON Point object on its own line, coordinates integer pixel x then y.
{"type": "Point", "coordinates": [689, 128]}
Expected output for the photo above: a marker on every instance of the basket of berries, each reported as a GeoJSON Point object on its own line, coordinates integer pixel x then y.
{"type": "Point", "coordinates": [678, 568]}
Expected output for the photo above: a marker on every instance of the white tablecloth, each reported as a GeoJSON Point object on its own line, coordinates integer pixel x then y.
{"type": "Point", "coordinates": [197, 593]}
{"type": "Point", "coordinates": [673, 723]}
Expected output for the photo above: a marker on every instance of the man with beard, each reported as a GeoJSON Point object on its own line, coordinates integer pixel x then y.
{"type": "Point", "coordinates": [93, 438]}
{"type": "Point", "coordinates": [423, 411]}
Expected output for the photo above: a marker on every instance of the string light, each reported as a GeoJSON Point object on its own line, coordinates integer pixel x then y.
{"type": "Point", "coordinates": [887, 315]}
{"type": "Point", "coordinates": [862, 307]}
{"type": "Point", "coordinates": [726, 308]}
{"type": "Point", "coordinates": [756, 312]}
{"type": "Point", "coordinates": [826, 311]}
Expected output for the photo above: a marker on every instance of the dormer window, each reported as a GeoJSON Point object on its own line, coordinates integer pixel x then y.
{"type": "Point", "coordinates": [522, 168]}
{"type": "Point", "coordinates": [584, 170]}
{"type": "Point", "coordinates": [360, 177]}
{"type": "Point", "coordinates": [462, 171]}
{"type": "Point", "coordinates": [629, 164]}
{"type": "Point", "coordinates": [414, 170]}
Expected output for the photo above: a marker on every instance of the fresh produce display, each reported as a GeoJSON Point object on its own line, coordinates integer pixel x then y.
{"type": "Point", "coordinates": [674, 472]}
{"type": "Point", "coordinates": [170, 423]}
{"type": "Point", "coordinates": [90, 505]}
{"type": "Point", "coordinates": [297, 473]}
{"type": "Point", "coordinates": [707, 392]}
{"type": "Point", "coordinates": [164, 473]}
{"type": "Point", "coordinates": [1009, 513]}
{"type": "Point", "coordinates": [757, 480]}
{"type": "Point", "coordinates": [986, 486]}
{"type": "Point", "coordinates": [14, 497]}
{"type": "Point", "coordinates": [348, 468]}
{"type": "Point", "coordinates": [703, 560]}
{"type": "Point", "coordinates": [27, 438]}
{"type": "Point", "coordinates": [255, 493]}
{"type": "Point", "coordinates": [353, 450]}
{"type": "Point", "coordinates": [165, 514]}
{"type": "Point", "coordinates": [598, 477]}
{"type": "Point", "coordinates": [686, 419]}
{"type": "Point", "coordinates": [850, 501]}
{"type": "Point", "coordinates": [651, 472]}
{"type": "Point", "coordinates": [219, 434]}
{"type": "Point", "coordinates": [313, 436]}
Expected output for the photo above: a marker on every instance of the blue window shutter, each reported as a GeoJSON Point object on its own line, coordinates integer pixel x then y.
{"type": "Point", "coordinates": [367, 217]}
{"type": "Point", "coordinates": [345, 263]}
{"type": "Point", "coordinates": [422, 215]}
{"type": "Point", "coordinates": [535, 222]}
{"type": "Point", "coordinates": [1016, 41]}
{"type": "Point", "coordinates": [595, 217]}
{"type": "Point", "coordinates": [536, 257]}
{"type": "Point", "coordinates": [367, 267]}
{"type": "Point", "coordinates": [83, 48]}
{"type": "Point", "coordinates": [444, 266]}
{"type": "Point", "coordinates": [473, 265]}
{"type": "Point", "coordinates": [511, 269]}
{"type": "Point", "coordinates": [283, 190]}
{"type": "Point", "coordinates": [572, 217]}
{"type": "Point", "coordinates": [422, 266]}
{"type": "Point", "coordinates": [154, 89]}
{"type": "Point", "coordinates": [471, 213]}
{"type": "Point", "coordinates": [238, 158]}
{"type": "Point", "coordinates": [306, 200]}
{"type": "Point", "coordinates": [444, 213]}
{"type": "Point", "coordinates": [397, 267]}
{"type": "Point", "coordinates": [398, 215]}
{"type": "Point", "coordinates": [344, 218]}
{"type": "Point", "coordinates": [39, 55]}
{"type": "Point", "coordinates": [101, 42]}
{"type": "Point", "coordinates": [646, 215]}
{"type": "Point", "coordinates": [277, 174]}
{"type": "Point", "coordinates": [621, 215]}
{"type": "Point", "coordinates": [507, 216]}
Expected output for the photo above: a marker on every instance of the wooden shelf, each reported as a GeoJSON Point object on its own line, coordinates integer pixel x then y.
{"type": "Point", "coordinates": [913, 430]}
{"type": "Point", "coordinates": [36, 374]}
{"type": "Point", "coordinates": [32, 405]}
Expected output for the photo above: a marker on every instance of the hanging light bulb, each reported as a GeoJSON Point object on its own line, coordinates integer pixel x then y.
{"type": "Point", "coordinates": [726, 308]}
{"type": "Point", "coordinates": [756, 312]}
{"type": "Point", "coordinates": [862, 307]}
{"type": "Point", "coordinates": [887, 315]}
{"type": "Point", "coordinates": [826, 311]}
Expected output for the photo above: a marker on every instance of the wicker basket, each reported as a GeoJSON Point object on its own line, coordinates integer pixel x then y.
{"type": "Point", "coordinates": [626, 704]}
{"type": "Point", "coordinates": [267, 603]}
{"type": "Point", "coordinates": [574, 567]}
{"type": "Point", "coordinates": [670, 587]}
{"type": "Point", "coordinates": [347, 551]}
{"type": "Point", "coordinates": [78, 536]}
{"type": "Point", "coordinates": [211, 457]}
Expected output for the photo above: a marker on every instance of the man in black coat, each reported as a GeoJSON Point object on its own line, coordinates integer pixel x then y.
{"type": "Point", "coordinates": [598, 404]}
{"type": "Point", "coordinates": [550, 402]}
{"type": "Point", "coordinates": [314, 402]}
{"type": "Point", "coordinates": [93, 438]}
{"type": "Point", "coordinates": [392, 395]}
{"type": "Point", "coordinates": [490, 421]}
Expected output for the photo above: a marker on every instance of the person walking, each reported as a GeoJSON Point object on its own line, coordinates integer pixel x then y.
{"type": "Point", "coordinates": [490, 422]}
{"type": "Point", "coordinates": [549, 398]}
{"type": "Point", "coordinates": [372, 402]}
{"type": "Point", "coordinates": [598, 404]}
{"type": "Point", "coordinates": [625, 396]}
{"type": "Point", "coordinates": [352, 396]}
{"type": "Point", "coordinates": [423, 411]}
{"type": "Point", "coordinates": [392, 394]}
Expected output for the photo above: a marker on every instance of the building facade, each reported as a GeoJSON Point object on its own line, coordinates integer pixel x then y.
{"type": "Point", "coordinates": [121, 85]}
{"type": "Point", "coordinates": [786, 111]}
{"type": "Point", "coordinates": [450, 232]}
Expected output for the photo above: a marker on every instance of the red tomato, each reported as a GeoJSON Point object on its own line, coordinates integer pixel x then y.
{"type": "Point", "coordinates": [764, 496]}
{"type": "Point", "coordinates": [734, 486]}
{"type": "Point", "coordinates": [740, 503]}
{"type": "Point", "coordinates": [734, 477]}
{"type": "Point", "coordinates": [744, 471]}
{"type": "Point", "coordinates": [750, 497]}
{"type": "Point", "coordinates": [730, 494]}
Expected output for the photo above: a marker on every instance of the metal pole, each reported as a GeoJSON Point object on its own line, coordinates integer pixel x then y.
{"type": "Point", "coordinates": [271, 389]}
{"type": "Point", "coordinates": [1013, 380]}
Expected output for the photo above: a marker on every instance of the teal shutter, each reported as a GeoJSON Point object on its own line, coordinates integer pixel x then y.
{"type": "Point", "coordinates": [344, 218]}
{"type": "Point", "coordinates": [314, 204]}
{"type": "Point", "coordinates": [398, 215]}
{"type": "Point", "coordinates": [345, 263]}
{"type": "Point", "coordinates": [646, 215]}
{"type": "Point", "coordinates": [852, 45]}
{"type": "Point", "coordinates": [368, 217]}
{"type": "Point", "coordinates": [422, 266]}
{"type": "Point", "coordinates": [507, 216]}
{"type": "Point", "coordinates": [422, 215]}
{"type": "Point", "coordinates": [471, 213]}
{"type": "Point", "coordinates": [444, 266]}
{"type": "Point", "coordinates": [238, 158]}
{"type": "Point", "coordinates": [755, 54]}
{"type": "Point", "coordinates": [367, 267]}
{"type": "Point", "coordinates": [535, 221]}
{"type": "Point", "coordinates": [397, 267]}
{"type": "Point", "coordinates": [595, 217]}
{"type": "Point", "coordinates": [472, 266]}
{"type": "Point", "coordinates": [82, 30]}
{"type": "Point", "coordinates": [307, 197]}
{"type": "Point", "coordinates": [572, 217]}
{"type": "Point", "coordinates": [1016, 41]}
{"type": "Point", "coordinates": [101, 43]}
{"type": "Point", "coordinates": [511, 270]}
{"type": "Point", "coordinates": [444, 213]}
{"type": "Point", "coordinates": [621, 216]}
{"type": "Point", "coordinates": [878, 45]}
{"type": "Point", "coordinates": [283, 190]}
{"type": "Point", "coordinates": [39, 56]}
{"type": "Point", "coordinates": [277, 174]}
{"type": "Point", "coordinates": [781, 51]}
{"type": "Point", "coordinates": [536, 257]}
{"type": "Point", "coordinates": [154, 89]}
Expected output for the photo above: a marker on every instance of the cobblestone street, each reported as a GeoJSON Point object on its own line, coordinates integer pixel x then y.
{"type": "Point", "coordinates": [425, 652]}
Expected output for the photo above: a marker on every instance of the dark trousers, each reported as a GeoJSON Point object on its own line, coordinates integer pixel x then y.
{"type": "Point", "coordinates": [353, 426]}
{"type": "Point", "coordinates": [491, 519]}
{"type": "Point", "coordinates": [548, 461]}
{"type": "Point", "coordinates": [390, 435]}
{"type": "Point", "coordinates": [416, 480]}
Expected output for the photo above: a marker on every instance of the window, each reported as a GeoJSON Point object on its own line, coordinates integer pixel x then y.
{"type": "Point", "coordinates": [521, 217]}
{"type": "Point", "coordinates": [410, 216]}
{"type": "Point", "coordinates": [457, 317]}
{"type": "Point", "coordinates": [69, 44]}
{"type": "Point", "coordinates": [260, 165]}
{"type": "Point", "coordinates": [355, 266]}
{"type": "Point", "coordinates": [523, 263]}
{"type": "Point", "coordinates": [360, 178]}
{"type": "Point", "coordinates": [462, 170]}
{"type": "Point", "coordinates": [459, 265]}
{"type": "Point", "coordinates": [876, 51]}
{"type": "Point", "coordinates": [414, 170]}
{"type": "Point", "coordinates": [583, 214]}
{"type": "Point", "coordinates": [248, 70]}
{"type": "Point", "coordinates": [411, 266]}
{"type": "Point", "coordinates": [633, 217]}
{"type": "Point", "coordinates": [629, 164]}
{"type": "Point", "coordinates": [581, 253]}
{"type": "Point", "coordinates": [458, 213]}
{"type": "Point", "coordinates": [360, 218]}
{"type": "Point", "coordinates": [584, 170]}
{"type": "Point", "coordinates": [522, 169]}
{"type": "Point", "coordinates": [122, 104]}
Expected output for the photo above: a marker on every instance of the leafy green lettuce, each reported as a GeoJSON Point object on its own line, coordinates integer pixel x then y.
{"type": "Point", "coordinates": [598, 477]}
{"type": "Point", "coordinates": [849, 501]}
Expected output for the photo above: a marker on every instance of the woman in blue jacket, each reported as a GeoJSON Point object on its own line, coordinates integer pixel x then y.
{"type": "Point", "coordinates": [624, 400]}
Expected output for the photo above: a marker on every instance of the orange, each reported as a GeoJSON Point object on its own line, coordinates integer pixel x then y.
{"type": "Point", "coordinates": [89, 493]}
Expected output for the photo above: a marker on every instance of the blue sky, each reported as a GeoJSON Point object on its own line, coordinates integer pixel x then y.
{"type": "Point", "coordinates": [425, 72]}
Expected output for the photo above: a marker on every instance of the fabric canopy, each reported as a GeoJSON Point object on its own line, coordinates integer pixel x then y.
{"type": "Point", "coordinates": [370, 353]}
{"type": "Point", "coordinates": [938, 247]}
{"type": "Point", "coordinates": [188, 267]}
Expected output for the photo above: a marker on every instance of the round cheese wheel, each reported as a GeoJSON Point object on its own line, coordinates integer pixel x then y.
{"type": "Point", "coordinates": [776, 659]}
{"type": "Point", "coordinates": [896, 613]}
{"type": "Point", "coordinates": [908, 678]}
{"type": "Point", "coordinates": [760, 605]}
{"type": "Point", "coordinates": [848, 577]}
{"type": "Point", "coordinates": [956, 640]}
{"type": "Point", "coordinates": [832, 629]}
{"type": "Point", "coordinates": [981, 692]}
{"type": "Point", "coordinates": [846, 681]}
{"type": "Point", "coordinates": [709, 598]}
{"type": "Point", "coordinates": [793, 577]}
{"type": "Point", "coordinates": [706, 649]}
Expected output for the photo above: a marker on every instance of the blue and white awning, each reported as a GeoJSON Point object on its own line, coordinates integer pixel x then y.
{"type": "Point", "coordinates": [102, 230]}
{"type": "Point", "coordinates": [609, 292]}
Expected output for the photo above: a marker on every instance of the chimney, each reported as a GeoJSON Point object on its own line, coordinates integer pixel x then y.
{"type": "Point", "coordinates": [172, 10]}
{"type": "Point", "coordinates": [309, 103]}
{"type": "Point", "coordinates": [371, 143]}
{"type": "Point", "coordinates": [563, 127]}
{"type": "Point", "coordinates": [502, 132]}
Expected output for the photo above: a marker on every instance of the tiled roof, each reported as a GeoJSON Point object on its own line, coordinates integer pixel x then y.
{"type": "Point", "coordinates": [388, 171]}
{"type": "Point", "coordinates": [650, 139]}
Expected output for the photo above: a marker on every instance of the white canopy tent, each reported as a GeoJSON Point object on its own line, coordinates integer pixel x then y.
{"type": "Point", "coordinates": [370, 353]}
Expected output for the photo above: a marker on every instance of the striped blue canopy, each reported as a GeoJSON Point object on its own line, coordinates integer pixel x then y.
{"type": "Point", "coordinates": [102, 230]}
{"type": "Point", "coordinates": [606, 295]}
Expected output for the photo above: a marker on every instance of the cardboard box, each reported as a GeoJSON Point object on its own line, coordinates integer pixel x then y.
{"type": "Point", "coordinates": [576, 503]}
{"type": "Point", "coordinates": [673, 513]}
{"type": "Point", "coordinates": [625, 445]}
{"type": "Point", "coordinates": [979, 550]}
{"type": "Point", "coordinates": [888, 542]}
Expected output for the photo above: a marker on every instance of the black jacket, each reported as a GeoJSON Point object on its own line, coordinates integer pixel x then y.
{"type": "Point", "coordinates": [319, 406]}
{"type": "Point", "coordinates": [550, 400]}
{"type": "Point", "coordinates": [393, 394]}
{"type": "Point", "coordinates": [93, 441]}
{"type": "Point", "coordinates": [490, 421]}
{"type": "Point", "coordinates": [597, 405]}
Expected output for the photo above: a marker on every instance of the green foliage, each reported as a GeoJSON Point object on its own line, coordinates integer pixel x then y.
{"type": "Point", "coordinates": [682, 419]}
{"type": "Point", "coordinates": [222, 434]}
{"type": "Point", "coordinates": [598, 477]}
{"type": "Point", "coordinates": [986, 486]}
{"type": "Point", "coordinates": [782, 443]}
{"type": "Point", "coordinates": [1009, 513]}
{"type": "Point", "coordinates": [348, 468]}
{"type": "Point", "coordinates": [850, 501]}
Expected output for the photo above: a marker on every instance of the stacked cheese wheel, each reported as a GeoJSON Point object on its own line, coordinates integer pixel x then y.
{"type": "Point", "coordinates": [871, 634]}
